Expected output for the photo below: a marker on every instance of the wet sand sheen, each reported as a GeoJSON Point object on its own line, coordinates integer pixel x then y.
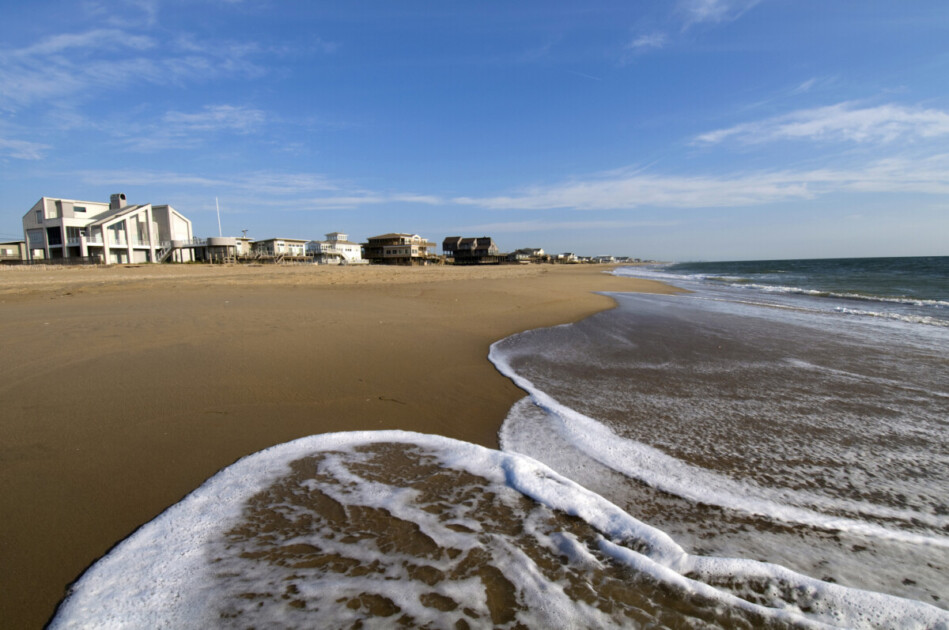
{"type": "Point", "coordinates": [124, 388]}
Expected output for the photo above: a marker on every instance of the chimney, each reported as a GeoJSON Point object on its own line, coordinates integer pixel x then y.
{"type": "Point", "coordinates": [117, 201]}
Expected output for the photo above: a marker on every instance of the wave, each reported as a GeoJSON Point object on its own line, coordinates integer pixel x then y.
{"type": "Point", "coordinates": [841, 295]}
{"type": "Point", "coordinates": [900, 317]}
{"type": "Point", "coordinates": [669, 474]}
{"type": "Point", "coordinates": [390, 527]}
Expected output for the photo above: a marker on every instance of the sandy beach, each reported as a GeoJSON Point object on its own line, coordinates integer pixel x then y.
{"type": "Point", "coordinates": [124, 388]}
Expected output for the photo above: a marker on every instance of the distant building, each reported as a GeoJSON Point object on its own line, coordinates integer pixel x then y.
{"type": "Point", "coordinates": [528, 255]}
{"type": "Point", "coordinates": [399, 249]}
{"type": "Point", "coordinates": [244, 245]}
{"type": "Point", "coordinates": [12, 252]}
{"type": "Point", "coordinates": [475, 250]}
{"type": "Point", "coordinates": [337, 248]}
{"type": "Point", "coordinates": [216, 249]}
{"type": "Point", "coordinates": [113, 232]}
{"type": "Point", "coordinates": [280, 247]}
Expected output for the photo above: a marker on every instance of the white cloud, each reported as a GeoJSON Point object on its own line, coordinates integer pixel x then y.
{"type": "Point", "coordinates": [686, 13]}
{"type": "Point", "coordinates": [560, 226]}
{"type": "Point", "coordinates": [359, 198]}
{"type": "Point", "coordinates": [259, 182]}
{"type": "Point", "coordinates": [22, 150]}
{"type": "Point", "coordinates": [714, 11]}
{"type": "Point", "coordinates": [289, 191]}
{"type": "Point", "coordinates": [128, 14]}
{"type": "Point", "coordinates": [216, 118]}
{"type": "Point", "coordinates": [647, 41]}
{"type": "Point", "coordinates": [178, 130]}
{"type": "Point", "coordinates": [841, 122]}
{"type": "Point", "coordinates": [805, 86]}
{"type": "Point", "coordinates": [96, 39]}
{"type": "Point", "coordinates": [624, 190]}
{"type": "Point", "coordinates": [82, 64]}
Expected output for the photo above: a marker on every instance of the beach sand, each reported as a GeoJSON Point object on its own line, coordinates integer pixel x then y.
{"type": "Point", "coordinates": [124, 388]}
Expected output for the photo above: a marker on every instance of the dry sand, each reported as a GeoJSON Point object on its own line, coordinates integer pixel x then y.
{"type": "Point", "coordinates": [123, 388]}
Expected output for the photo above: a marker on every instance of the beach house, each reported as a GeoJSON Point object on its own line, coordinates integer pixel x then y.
{"type": "Point", "coordinates": [12, 252]}
{"type": "Point", "coordinates": [280, 248]}
{"type": "Point", "coordinates": [336, 249]}
{"type": "Point", "coordinates": [114, 232]}
{"type": "Point", "coordinates": [528, 255]}
{"type": "Point", "coordinates": [400, 249]}
{"type": "Point", "coordinates": [470, 251]}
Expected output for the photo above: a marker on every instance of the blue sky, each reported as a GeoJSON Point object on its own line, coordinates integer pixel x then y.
{"type": "Point", "coordinates": [674, 130]}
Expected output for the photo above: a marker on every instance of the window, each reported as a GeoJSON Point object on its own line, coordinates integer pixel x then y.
{"type": "Point", "coordinates": [39, 216]}
{"type": "Point", "coordinates": [54, 236]}
{"type": "Point", "coordinates": [78, 209]}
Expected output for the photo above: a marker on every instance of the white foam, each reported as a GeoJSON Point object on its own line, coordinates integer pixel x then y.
{"type": "Point", "coordinates": [161, 576]}
{"type": "Point", "coordinates": [900, 317]}
{"type": "Point", "coordinates": [659, 470]}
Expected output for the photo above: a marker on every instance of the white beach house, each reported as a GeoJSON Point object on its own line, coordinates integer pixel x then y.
{"type": "Point", "coordinates": [113, 232]}
{"type": "Point", "coordinates": [337, 248]}
{"type": "Point", "coordinates": [280, 247]}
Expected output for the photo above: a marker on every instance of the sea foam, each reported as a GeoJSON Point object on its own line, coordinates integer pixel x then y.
{"type": "Point", "coordinates": [377, 528]}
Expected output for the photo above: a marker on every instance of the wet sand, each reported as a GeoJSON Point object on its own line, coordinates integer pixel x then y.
{"type": "Point", "coordinates": [124, 388]}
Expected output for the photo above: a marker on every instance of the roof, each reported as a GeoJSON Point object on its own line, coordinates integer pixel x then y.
{"type": "Point", "coordinates": [394, 235]}
{"type": "Point", "coordinates": [80, 201]}
{"type": "Point", "coordinates": [292, 240]}
{"type": "Point", "coordinates": [470, 239]}
{"type": "Point", "coordinates": [113, 213]}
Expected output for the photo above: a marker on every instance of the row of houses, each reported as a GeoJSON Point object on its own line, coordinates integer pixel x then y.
{"type": "Point", "coordinates": [68, 230]}
{"type": "Point", "coordinates": [71, 231]}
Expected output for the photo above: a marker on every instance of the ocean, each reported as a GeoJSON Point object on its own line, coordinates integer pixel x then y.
{"type": "Point", "coordinates": [767, 450]}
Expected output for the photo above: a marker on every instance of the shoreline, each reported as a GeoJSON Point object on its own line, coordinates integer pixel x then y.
{"type": "Point", "coordinates": [126, 387]}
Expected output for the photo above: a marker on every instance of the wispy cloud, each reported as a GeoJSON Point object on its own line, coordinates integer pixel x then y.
{"type": "Point", "coordinates": [624, 190]}
{"type": "Point", "coordinates": [841, 122]}
{"type": "Point", "coordinates": [97, 39]}
{"type": "Point", "coordinates": [258, 182]}
{"type": "Point", "coordinates": [647, 41]}
{"type": "Point", "coordinates": [179, 130]}
{"type": "Point", "coordinates": [361, 198]}
{"type": "Point", "coordinates": [124, 13]}
{"type": "Point", "coordinates": [289, 191]}
{"type": "Point", "coordinates": [805, 86]}
{"type": "Point", "coordinates": [680, 17]}
{"type": "Point", "coordinates": [216, 118]}
{"type": "Point", "coordinates": [619, 192]}
{"type": "Point", "coordinates": [560, 226]}
{"type": "Point", "coordinates": [82, 64]}
{"type": "Point", "coordinates": [22, 149]}
{"type": "Point", "coordinates": [714, 11]}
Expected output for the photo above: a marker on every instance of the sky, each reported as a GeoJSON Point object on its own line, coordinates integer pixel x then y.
{"type": "Point", "coordinates": [675, 130]}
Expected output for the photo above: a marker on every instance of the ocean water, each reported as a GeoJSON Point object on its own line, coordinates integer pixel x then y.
{"type": "Point", "coordinates": [768, 450]}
